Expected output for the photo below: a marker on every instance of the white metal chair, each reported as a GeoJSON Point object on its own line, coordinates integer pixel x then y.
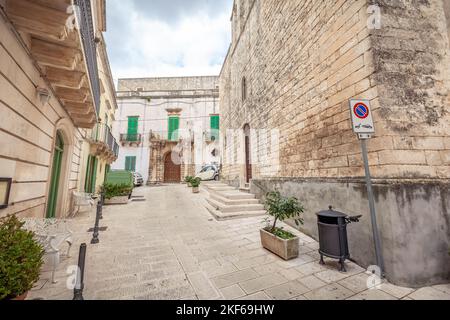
{"type": "Point", "coordinates": [81, 199]}
{"type": "Point", "coordinates": [51, 234]}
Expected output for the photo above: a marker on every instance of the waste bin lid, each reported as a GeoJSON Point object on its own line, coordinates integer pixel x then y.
{"type": "Point", "coordinates": [331, 213]}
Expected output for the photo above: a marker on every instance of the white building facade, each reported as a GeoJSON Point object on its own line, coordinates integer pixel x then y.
{"type": "Point", "coordinates": [167, 127]}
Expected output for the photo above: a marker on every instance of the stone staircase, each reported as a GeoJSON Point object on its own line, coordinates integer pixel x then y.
{"type": "Point", "coordinates": [225, 202]}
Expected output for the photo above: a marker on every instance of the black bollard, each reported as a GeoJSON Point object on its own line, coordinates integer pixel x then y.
{"type": "Point", "coordinates": [79, 286]}
{"type": "Point", "coordinates": [95, 239]}
{"type": "Point", "coordinates": [102, 202]}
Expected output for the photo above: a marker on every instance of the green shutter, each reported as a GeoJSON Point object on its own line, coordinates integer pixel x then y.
{"type": "Point", "coordinates": [94, 175]}
{"type": "Point", "coordinates": [133, 123]}
{"type": "Point", "coordinates": [133, 164]}
{"type": "Point", "coordinates": [174, 123]}
{"type": "Point", "coordinates": [215, 126]}
{"type": "Point", "coordinates": [130, 163]}
{"type": "Point", "coordinates": [87, 179]}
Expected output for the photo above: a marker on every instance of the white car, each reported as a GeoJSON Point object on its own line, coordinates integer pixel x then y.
{"type": "Point", "coordinates": [209, 172]}
{"type": "Point", "coordinates": [138, 180]}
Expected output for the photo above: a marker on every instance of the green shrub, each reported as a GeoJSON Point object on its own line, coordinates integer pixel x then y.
{"type": "Point", "coordinates": [188, 180]}
{"type": "Point", "coordinates": [20, 258]}
{"type": "Point", "coordinates": [116, 190]}
{"type": "Point", "coordinates": [195, 182]}
{"type": "Point", "coordinates": [283, 208]}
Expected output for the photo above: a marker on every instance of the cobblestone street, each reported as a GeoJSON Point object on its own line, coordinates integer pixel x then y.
{"type": "Point", "coordinates": [170, 247]}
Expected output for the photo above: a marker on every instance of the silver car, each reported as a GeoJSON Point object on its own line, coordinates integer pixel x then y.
{"type": "Point", "coordinates": [208, 173]}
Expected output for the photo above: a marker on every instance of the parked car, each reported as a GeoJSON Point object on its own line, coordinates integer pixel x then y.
{"type": "Point", "coordinates": [208, 172]}
{"type": "Point", "coordinates": [138, 180]}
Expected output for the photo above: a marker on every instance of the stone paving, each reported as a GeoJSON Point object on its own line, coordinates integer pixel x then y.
{"type": "Point", "coordinates": [170, 247]}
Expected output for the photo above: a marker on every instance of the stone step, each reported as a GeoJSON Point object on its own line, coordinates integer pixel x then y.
{"type": "Point", "coordinates": [220, 188]}
{"type": "Point", "coordinates": [234, 215]}
{"type": "Point", "coordinates": [228, 202]}
{"type": "Point", "coordinates": [235, 208]}
{"type": "Point", "coordinates": [237, 195]}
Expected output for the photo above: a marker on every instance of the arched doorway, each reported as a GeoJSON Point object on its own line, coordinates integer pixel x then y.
{"type": "Point", "coordinates": [248, 163]}
{"type": "Point", "coordinates": [172, 171]}
{"type": "Point", "coordinates": [56, 175]}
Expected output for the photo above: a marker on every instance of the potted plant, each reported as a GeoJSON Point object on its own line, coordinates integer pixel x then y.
{"type": "Point", "coordinates": [188, 181]}
{"type": "Point", "coordinates": [21, 259]}
{"type": "Point", "coordinates": [277, 240]}
{"type": "Point", "coordinates": [195, 182]}
{"type": "Point", "coordinates": [117, 193]}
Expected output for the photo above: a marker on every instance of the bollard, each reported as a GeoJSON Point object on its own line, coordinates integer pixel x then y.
{"type": "Point", "coordinates": [79, 286]}
{"type": "Point", "coordinates": [102, 203]}
{"type": "Point", "coordinates": [95, 239]}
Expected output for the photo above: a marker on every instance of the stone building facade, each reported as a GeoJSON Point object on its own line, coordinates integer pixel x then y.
{"type": "Point", "coordinates": [292, 68]}
{"type": "Point", "coordinates": [51, 94]}
{"type": "Point", "coordinates": [165, 126]}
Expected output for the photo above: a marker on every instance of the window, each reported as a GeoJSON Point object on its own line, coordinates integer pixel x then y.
{"type": "Point", "coordinates": [215, 126]}
{"type": "Point", "coordinates": [174, 123]}
{"type": "Point", "coordinates": [130, 164]}
{"type": "Point", "coordinates": [244, 89]}
{"type": "Point", "coordinates": [133, 124]}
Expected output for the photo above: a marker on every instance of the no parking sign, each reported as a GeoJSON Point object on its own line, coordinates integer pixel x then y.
{"type": "Point", "coordinates": [362, 120]}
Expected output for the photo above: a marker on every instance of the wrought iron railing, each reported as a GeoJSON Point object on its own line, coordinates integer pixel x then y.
{"type": "Point", "coordinates": [116, 149]}
{"type": "Point", "coordinates": [173, 136]}
{"type": "Point", "coordinates": [102, 133]}
{"type": "Point", "coordinates": [86, 26]}
{"type": "Point", "coordinates": [135, 137]}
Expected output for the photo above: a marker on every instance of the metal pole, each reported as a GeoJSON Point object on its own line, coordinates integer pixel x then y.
{"type": "Point", "coordinates": [79, 286]}
{"type": "Point", "coordinates": [373, 217]}
{"type": "Point", "coordinates": [102, 201]}
{"type": "Point", "coordinates": [95, 239]}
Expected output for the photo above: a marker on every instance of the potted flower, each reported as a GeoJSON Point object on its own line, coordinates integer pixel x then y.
{"type": "Point", "coordinates": [21, 259]}
{"type": "Point", "coordinates": [277, 240]}
{"type": "Point", "coordinates": [188, 181]}
{"type": "Point", "coordinates": [195, 182]}
{"type": "Point", "coordinates": [117, 193]}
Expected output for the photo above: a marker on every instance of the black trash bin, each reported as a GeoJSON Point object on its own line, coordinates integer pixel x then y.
{"type": "Point", "coordinates": [333, 235]}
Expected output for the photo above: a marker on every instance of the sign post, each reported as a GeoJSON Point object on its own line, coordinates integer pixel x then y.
{"type": "Point", "coordinates": [363, 126]}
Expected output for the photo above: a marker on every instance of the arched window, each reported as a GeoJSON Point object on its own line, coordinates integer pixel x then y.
{"type": "Point", "coordinates": [244, 89]}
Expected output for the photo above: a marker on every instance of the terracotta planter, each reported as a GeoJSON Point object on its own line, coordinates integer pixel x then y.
{"type": "Point", "coordinates": [286, 249]}
{"type": "Point", "coordinates": [195, 190]}
{"type": "Point", "coordinates": [117, 200]}
{"type": "Point", "coordinates": [21, 297]}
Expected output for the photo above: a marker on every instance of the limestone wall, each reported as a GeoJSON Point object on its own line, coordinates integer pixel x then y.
{"type": "Point", "coordinates": [27, 133]}
{"type": "Point", "coordinates": [169, 83]}
{"type": "Point", "coordinates": [302, 62]}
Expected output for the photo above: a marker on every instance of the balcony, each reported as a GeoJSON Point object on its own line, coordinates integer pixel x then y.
{"type": "Point", "coordinates": [103, 143]}
{"type": "Point", "coordinates": [178, 136]}
{"type": "Point", "coordinates": [211, 136]}
{"type": "Point", "coordinates": [131, 139]}
{"type": "Point", "coordinates": [61, 39]}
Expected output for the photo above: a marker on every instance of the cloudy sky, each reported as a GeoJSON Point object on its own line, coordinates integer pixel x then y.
{"type": "Point", "coordinates": [167, 37]}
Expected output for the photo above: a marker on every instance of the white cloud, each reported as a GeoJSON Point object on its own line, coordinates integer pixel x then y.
{"type": "Point", "coordinates": [142, 46]}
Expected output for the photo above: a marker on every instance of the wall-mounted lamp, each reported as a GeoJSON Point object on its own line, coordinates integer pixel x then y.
{"type": "Point", "coordinates": [5, 188]}
{"type": "Point", "coordinates": [44, 95]}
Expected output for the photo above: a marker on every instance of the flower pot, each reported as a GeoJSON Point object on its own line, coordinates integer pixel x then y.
{"type": "Point", "coordinates": [21, 297]}
{"type": "Point", "coordinates": [117, 200]}
{"type": "Point", "coordinates": [195, 190]}
{"type": "Point", "coordinates": [189, 185]}
{"type": "Point", "coordinates": [286, 249]}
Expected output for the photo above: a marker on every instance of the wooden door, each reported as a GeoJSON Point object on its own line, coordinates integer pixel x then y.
{"type": "Point", "coordinates": [172, 171]}
{"type": "Point", "coordinates": [248, 163]}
